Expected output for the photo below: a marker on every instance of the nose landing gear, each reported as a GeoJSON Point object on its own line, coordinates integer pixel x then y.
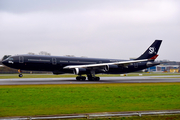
{"type": "Point", "coordinates": [20, 74]}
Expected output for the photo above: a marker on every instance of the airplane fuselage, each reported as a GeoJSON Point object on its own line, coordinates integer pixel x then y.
{"type": "Point", "coordinates": [81, 66]}
{"type": "Point", "coordinates": [56, 64]}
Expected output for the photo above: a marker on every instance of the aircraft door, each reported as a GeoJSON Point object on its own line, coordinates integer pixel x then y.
{"type": "Point", "coordinates": [21, 59]}
{"type": "Point", "coordinates": [54, 62]}
{"type": "Point", "coordinates": [135, 65]}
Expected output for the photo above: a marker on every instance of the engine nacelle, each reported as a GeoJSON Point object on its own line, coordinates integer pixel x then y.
{"type": "Point", "coordinates": [107, 67]}
{"type": "Point", "coordinates": [79, 71]}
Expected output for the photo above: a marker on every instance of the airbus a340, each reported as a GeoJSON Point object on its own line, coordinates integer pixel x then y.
{"type": "Point", "coordinates": [84, 66]}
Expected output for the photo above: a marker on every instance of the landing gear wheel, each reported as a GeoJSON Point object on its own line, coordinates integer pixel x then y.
{"type": "Point", "coordinates": [83, 78]}
{"type": "Point", "coordinates": [90, 78]}
{"type": "Point", "coordinates": [20, 75]}
{"type": "Point", "coordinates": [80, 78]}
{"type": "Point", "coordinates": [97, 78]}
{"type": "Point", "coordinates": [93, 78]}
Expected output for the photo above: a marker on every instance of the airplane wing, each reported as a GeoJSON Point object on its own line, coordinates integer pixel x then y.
{"type": "Point", "coordinates": [123, 63]}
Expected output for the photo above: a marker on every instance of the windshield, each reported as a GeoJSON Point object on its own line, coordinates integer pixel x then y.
{"type": "Point", "coordinates": [6, 57]}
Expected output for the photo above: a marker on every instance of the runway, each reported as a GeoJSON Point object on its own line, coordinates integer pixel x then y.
{"type": "Point", "coordinates": [137, 79]}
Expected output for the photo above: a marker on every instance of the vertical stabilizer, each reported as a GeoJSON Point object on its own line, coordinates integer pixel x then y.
{"type": "Point", "coordinates": [151, 52]}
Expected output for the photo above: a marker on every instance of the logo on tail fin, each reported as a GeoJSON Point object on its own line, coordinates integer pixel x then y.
{"type": "Point", "coordinates": [151, 50]}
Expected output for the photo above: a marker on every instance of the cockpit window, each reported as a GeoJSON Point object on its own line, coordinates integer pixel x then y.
{"type": "Point", "coordinates": [10, 58]}
{"type": "Point", "coordinates": [7, 58]}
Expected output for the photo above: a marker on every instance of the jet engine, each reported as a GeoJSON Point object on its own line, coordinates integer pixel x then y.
{"type": "Point", "coordinates": [107, 67]}
{"type": "Point", "coordinates": [79, 71]}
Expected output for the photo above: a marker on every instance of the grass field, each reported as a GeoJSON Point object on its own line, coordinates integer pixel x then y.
{"type": "Point", "coordinates": [32, 100]}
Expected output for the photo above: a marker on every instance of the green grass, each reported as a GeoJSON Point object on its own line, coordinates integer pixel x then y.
{"type": "Point", "coordinates": [11, 76]}
{"type": "Point", "coordinates": [31, 100]}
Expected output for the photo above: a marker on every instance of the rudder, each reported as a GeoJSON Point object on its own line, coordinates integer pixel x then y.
{"type": "Point", "coordinates": [151, 52]}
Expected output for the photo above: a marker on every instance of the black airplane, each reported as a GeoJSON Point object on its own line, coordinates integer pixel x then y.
{"type": "Point", "coordinates": [83, 66]}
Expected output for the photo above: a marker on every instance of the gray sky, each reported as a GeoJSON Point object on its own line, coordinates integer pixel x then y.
{"type": "Point", "coordinates": [94, 28]}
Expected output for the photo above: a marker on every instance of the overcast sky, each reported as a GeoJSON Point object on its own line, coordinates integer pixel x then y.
{"type": "Point", "coordinates": [119, 29]}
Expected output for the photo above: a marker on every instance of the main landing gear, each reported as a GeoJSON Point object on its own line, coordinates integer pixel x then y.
{"type": "Point", "coordinates": [80, 78]}
{"type": "Point", "coordinates": [93, 78]}
{"type": "Point", "coordinates": [90, 78]}
{"type": "Point", "coordinates": [20, 74]}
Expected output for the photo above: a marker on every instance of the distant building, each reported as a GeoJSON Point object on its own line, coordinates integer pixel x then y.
{"type": "Point", "coordinates": [174, 70]}
{"type": "Point", "coordinates": [166, 66]}
{"type": "Point", "coordinates": [163, 68]}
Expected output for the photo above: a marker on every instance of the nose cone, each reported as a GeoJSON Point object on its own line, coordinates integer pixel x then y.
{"type": "Point", "coordinates": [5, 62]}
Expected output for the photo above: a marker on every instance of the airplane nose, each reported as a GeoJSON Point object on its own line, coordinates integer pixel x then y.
{"type": "Point", "coordinates": [5, 62]}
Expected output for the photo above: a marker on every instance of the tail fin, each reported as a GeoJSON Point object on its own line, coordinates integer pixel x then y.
{"type": "Point", "coordinates": [151, 52]}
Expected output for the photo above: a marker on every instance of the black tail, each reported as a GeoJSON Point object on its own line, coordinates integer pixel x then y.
{"type": "Point", "coordinates": [151, 52]}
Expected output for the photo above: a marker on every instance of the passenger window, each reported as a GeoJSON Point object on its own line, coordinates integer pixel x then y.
{"type": "Point", "coordinates": [21, 59]}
